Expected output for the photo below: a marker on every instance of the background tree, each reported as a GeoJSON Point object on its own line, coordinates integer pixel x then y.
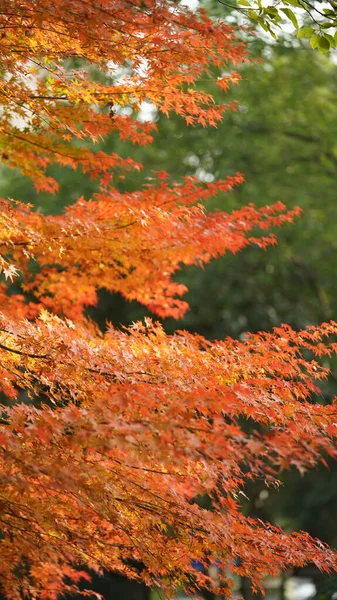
{"type": "Point", "coordinates": [313, 20]}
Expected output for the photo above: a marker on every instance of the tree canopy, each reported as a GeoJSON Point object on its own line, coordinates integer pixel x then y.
{"type": "Point", "coordinates": [108, 438]}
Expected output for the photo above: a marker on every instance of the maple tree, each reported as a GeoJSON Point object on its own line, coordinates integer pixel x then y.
{"type": "Point", "coordinates": [107, 439]}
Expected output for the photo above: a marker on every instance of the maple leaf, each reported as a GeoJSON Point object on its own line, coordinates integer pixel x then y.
{"type": "Point", "coordinates": [10, 272]}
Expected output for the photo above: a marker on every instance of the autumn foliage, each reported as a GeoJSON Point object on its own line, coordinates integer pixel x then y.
{"type": "Point", "coordinates": [107, 438]}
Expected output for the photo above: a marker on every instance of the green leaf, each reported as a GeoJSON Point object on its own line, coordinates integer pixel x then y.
{"type": "Point", "coordinates": [272, 13]}
{"type": "Point", "coordinates": [323, 44]}
{"type": "Point", "coordinates": [326, 25]}
{"type": "Point", "coordinates": [331, 40]}
{"type": "Point", "coordinates": [314, 40]}
{"type": "Point", "coordinates": [263, 24]}
{"type": "Point", "coordinates": [244, 2]}
{"type": "Point", "coordinates": [305, 32]}
{"type": "Point", "coordinates": [289, 13]}
{"type": "Point", "coordinates": [252, 14]}
{"type": "Point", "coordinates": [293, 3]}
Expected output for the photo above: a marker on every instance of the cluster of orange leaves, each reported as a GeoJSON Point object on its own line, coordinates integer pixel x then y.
{"type": "Point", "coordinates": [107, 438]}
